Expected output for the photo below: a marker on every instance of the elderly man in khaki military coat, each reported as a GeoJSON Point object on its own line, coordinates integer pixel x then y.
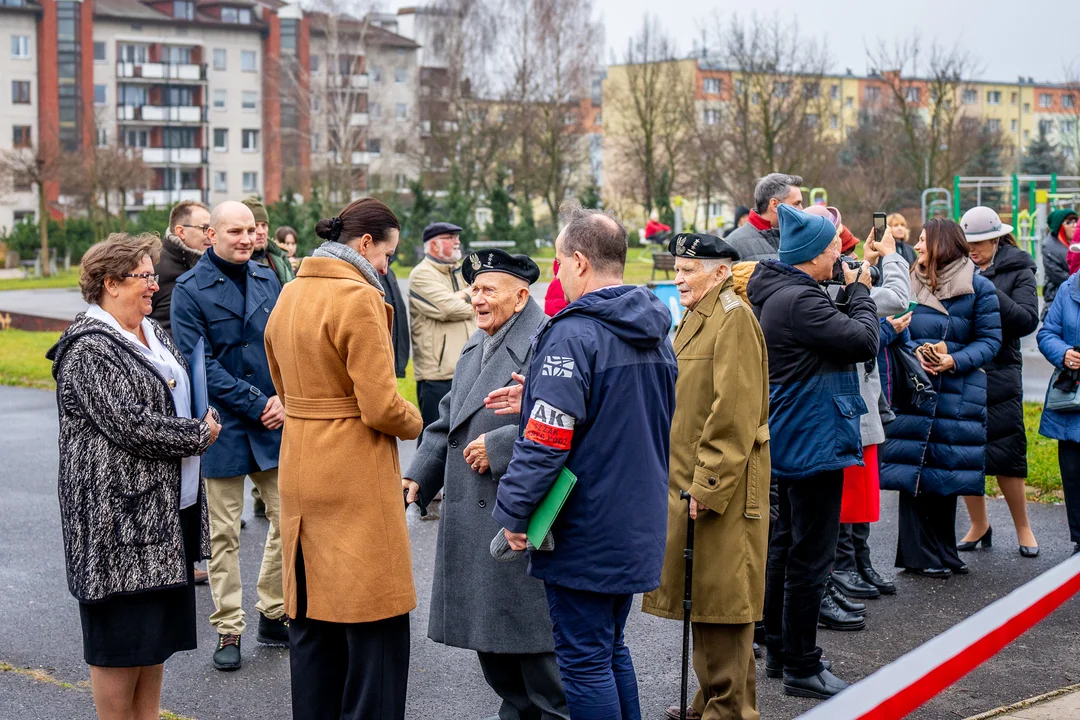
{"type": "Point", "coordinates": [720, 454]}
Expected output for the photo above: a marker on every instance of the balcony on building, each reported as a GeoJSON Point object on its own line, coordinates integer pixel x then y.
{"type": "Point", "coordinates": [159, 72]}
{"type": "Point", "coordinates": [359, 81]}
{"type": "Point", "coordinates": [161, 113]}
{"type": "Point", "coordinates": [359, 119]}
{"type": "Point", "coordinates": [161, 198]}
{"type": "Point", "coordinates": [174, 156]}
{"type": "Point", "coordinates": [361, 158]}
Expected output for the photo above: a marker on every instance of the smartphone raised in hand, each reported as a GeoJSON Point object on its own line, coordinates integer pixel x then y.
{"type": "Point", "coordinates": [879, 226]}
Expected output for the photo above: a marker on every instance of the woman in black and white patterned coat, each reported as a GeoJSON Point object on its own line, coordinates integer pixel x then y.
{"type": "Point", "coordinates": [132, 502]}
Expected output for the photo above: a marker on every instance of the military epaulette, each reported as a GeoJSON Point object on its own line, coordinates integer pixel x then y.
{"type": "Point", "coordinates": [729, 300]}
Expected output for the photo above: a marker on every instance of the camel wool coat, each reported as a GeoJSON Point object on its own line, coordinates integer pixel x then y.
{"type": "Point", "coordinates": [328, 345]}
{"type": "Point", "coordinates": [720, 455]}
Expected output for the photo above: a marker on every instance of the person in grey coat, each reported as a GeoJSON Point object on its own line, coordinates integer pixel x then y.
{"type": "Point", "coordinates": [491, 606]}
{"type": "Point", "coordinates": [759, 238]}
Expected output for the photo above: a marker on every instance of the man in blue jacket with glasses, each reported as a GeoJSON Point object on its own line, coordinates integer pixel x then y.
{"type": "Point", "coordinates": [598, 399]}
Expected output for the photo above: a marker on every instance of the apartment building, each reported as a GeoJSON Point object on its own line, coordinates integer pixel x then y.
{"type": "Point", "coordinates": [220, 98]}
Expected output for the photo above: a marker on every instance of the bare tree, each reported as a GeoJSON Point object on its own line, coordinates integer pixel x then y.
{"type": "Point", "coordinates": [924, 94]}
{"type": "Point", "coordinates": [1069, 132]}
{"type": "Point", "coordinates": [37, 167]}
{"type": "Point", "coordinates": [647, 121]}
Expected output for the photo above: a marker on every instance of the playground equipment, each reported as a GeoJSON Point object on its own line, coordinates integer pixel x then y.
{"type": "Point", "coordinates": [940, 204]}
{"type": "Point", "coordinates": [818, 195]}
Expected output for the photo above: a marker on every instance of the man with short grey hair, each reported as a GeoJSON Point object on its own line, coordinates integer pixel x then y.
{"type": "Point", "coordinates": [759, 238]}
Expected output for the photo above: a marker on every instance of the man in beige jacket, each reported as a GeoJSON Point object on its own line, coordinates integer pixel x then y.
{"type": "Point", "coordinates": [441, 316]}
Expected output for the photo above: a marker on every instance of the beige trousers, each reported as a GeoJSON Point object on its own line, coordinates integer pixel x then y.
{"type": "Point", "coordinates": [225, 496]}
{"type": "Point", "coordinates": [724, 665]}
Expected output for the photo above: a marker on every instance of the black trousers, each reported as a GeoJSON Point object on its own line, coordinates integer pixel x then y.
{"type": "Point", "coordinates": [852, 547]}
{"type": "Point", "coordinates": [801, 552]}
{"type": "Point", "coordinates": [347, 671]}
{"type": "Point", "coordinates": [1069, 462]}
{"type": "Point", "coordinates": [926, 536]}
{"type": "Point", "coordinates": [429, 393]}
{"type": "Point", "coordinates": [529, 685]}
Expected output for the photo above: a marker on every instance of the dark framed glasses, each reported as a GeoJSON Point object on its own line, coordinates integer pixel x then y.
{"type": "Point", "coordinates": [150, 278]}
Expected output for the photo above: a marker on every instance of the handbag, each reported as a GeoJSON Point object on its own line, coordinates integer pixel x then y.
{"type": "Point", "coordinates": [911, 385]}
{"type": "Point", "coordinates": [1063, 395]}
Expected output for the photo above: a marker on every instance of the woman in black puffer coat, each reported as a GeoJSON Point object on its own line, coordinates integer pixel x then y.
{"type": "Point", "coordinates": [1012, 271]}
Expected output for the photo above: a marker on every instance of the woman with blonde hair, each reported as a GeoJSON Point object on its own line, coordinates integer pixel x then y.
{"type": "Point", "coordinates": [900, 232]}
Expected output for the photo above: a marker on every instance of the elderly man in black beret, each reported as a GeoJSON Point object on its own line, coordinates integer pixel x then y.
{"type": "Point", "coordinates": [722, 402]}
{"type": "Point", "coordinates": [440, 315]}
{"type": "Point", "coordinates": [491, 606]}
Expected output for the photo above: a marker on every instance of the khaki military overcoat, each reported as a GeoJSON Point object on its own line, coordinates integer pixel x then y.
{"type": "Point", "coordinates": [720, 453]}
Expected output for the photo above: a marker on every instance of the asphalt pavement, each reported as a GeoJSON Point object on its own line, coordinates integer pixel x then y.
{"type": "Point", "coordinates": [39, 620]}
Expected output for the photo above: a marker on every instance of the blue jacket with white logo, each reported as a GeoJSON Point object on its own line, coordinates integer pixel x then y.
{"type": "Point", "coordinates": [814, 398]}
{"type": "Point", "coordinates": [598, 399]}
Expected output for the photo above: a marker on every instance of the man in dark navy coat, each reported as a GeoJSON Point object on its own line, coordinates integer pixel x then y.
{"type": "Point", "coordinates": [226, 300]}
{"type": "Point", "coordinates": [598, 399]}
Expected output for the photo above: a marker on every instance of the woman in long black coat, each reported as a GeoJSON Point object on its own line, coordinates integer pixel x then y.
{"type": "Point", "coordinates": [1012, 271]}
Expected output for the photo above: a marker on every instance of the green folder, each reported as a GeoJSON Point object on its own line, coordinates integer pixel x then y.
{"type": "Point", "coordinates": [544, 516]}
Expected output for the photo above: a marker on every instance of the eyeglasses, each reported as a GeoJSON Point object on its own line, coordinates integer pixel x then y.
{"type": "Point", "coordinates": [204, 228]}
{"type": "Point", "coordinates": [148, 277]}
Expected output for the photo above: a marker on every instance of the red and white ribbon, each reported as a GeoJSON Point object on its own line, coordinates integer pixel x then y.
{"type": "Point", "coordinates": [904, 685]}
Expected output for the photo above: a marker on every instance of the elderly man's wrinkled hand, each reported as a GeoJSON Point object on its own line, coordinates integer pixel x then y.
{"type": "Point", "coordinates": [697, 508]}
{"type": "Point", "coordinates": [411, 489]}
{"type": "Point", "coordinates": [518, 541]}
{"type": "Point", "coordinates": [476, 455]}
{"type": "Point", "coordinates": [506, 400]}
{"type": "Point", "coordinates": [273, 415]}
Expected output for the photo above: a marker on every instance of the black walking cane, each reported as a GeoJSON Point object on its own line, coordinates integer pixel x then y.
{"type": "Point", "coordinates": [688, 555]}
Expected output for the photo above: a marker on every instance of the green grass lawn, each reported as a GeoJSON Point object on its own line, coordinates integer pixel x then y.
{"type": "Point", "coordinates": [69, 279]}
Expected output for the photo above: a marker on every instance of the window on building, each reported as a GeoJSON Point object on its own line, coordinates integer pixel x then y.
{"type": "Point", "coordinates": [993, 125]}
{"type": "Point", "coordinates": [221, 181]}
{"type": "Point", "coordinates": [23, 216]}
{"type": "Point", "coordinates": [993, 97]}
{"type": "Point", "coordinates": [969, 97]}
{"type": "Point", "coordinates": [180, 137]}
{"type": "Point", "coordinates": [375, 110]}
{"type": "Point", "coordinates": [1046, 100]}
{"type": "Point", "coordinates": [755, 98]}
{"type": "Point", "coordinates": [1012, 126]}
{"type": "Point", "coordinates": [102, 138]}
{"type": "Point", "coordinates": [913, 95]}
{"type": "Point", "coordinates": [1045, 127]}
{"type": "Point", "coordinates": [183, 10]}
{"type": "Point", "coordinates": [834, 121]}
{"type": "Point", "coordinates": [20, 136]}
{"type": "Point", "coordinates": [180, 97]}
{"type": "Point", "coordinates": [739, 87]}
{"type": "Point", "coordinates": [712, 86]}
{"type": "Point", "coordinates": [174, 55]}
{"type": "Point", "coordinates": [241, 16]}
{"type": "Point", "coordinates": [221, 139]}
{"type": "Point", "coordinates": [316, 104]}
{"type": "Point", "coordinates": [20, 92]}
{"type": "Point", "coordinates": [1068, 101]}
{"type": "Point", "coordinates": [834, 92]}
{"type": "Point", "coordinates": [289, 29]}
{"type": "Point", "coordinates": [101, 52]}
{"type": "Point", "coordinates": [1014, 98]}
{"type": "Point", "coordinates": [402, 111]}
{"type": "Point", "coordinates": [782, 89]}
{"type": "Point", "coordinates": [101, 95]}
{"type": "Point", "coordinates": [251, 182]}
{"type": "Point", "coordinates": [374, 146]}
{"type": "Point", "coordinates": [221, 59]}
{"type": "Point", "coordinates": [400, 147]}
{"type": "Point", "coordinates": [1027, 134]}
{"type": "Point", "coordinates": [569, 119]}
{"type": "Point", "coordinates": [811, 120]}
{"type": "Point", "coordinates": [250, 140]}
{"type": "Point", "coordinates": [712, 116]}
{"type": "Point", "coordinates": [316, 142]}
{"type": "Point", "coordinates": [248, 61]}
{"type": "Point", "coordinates": [313, 63]}
{"type": "Point", "coordinates": [399, 75]}
{"type": "Point", "coordinates": [1068, 126]}
{"type": "Point", "coordinates": [133, 54]}
{"type": "Point", "coordinates": [849, 101]}
{"type": "Point", "coordinates": [811, 90]}
{"type": "Point", "coordinates": [249, 100]}
{"type": "Point", "coordinates": [137, 138]}
{"type": "Point", "coordinates": [872, 94]}
{"type": "Point", "coordinates": [1027, 108]}
{"type": "Point", "coordinates": [376, 73]}
{"type": "Point", "coordinates": [20, 46]}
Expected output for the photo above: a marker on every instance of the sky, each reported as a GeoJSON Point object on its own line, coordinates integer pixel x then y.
{"type": "Point", "coordinates": [1006, 38]}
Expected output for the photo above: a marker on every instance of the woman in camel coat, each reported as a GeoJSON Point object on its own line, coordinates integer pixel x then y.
{"type": "Point", "coordinates": [347, 574]}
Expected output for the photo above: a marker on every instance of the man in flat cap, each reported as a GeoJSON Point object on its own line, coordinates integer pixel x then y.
{"type": "Point", "coordinates": [441, 316]}
{"type": "Point", "coordinates": [479, 603]}
{"type": "Point", "coordinates": [722, 401]}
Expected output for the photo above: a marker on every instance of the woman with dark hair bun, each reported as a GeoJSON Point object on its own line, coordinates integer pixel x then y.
{"type": "Point", "coordinates": [347, 574]}
{"type": "Point", "coordinates": [936, 452]}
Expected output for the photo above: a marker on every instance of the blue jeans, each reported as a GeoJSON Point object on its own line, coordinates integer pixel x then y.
{"type": "Point", "coordinates": [595, 665]}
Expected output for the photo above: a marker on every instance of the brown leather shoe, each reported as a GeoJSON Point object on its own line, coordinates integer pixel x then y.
{"type": "Point", "coordinates": [673, 713]}
{"type": "Point", "coordinates": [201, 577]}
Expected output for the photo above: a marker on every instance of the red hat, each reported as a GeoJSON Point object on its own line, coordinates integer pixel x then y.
{"type": "Point", "coordinates": [847, 240]}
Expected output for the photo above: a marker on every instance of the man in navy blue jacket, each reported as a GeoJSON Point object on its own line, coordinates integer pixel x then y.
{"type": "Point", "coordinates": [814, 409]}
{"type": "Point", "coordinates": [598, 399]}
{"type": "Point", "coordinates": [226, 300]}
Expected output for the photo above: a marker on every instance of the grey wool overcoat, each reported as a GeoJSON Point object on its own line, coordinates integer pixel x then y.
{"type": "Point", "coordinates": [479, 603]}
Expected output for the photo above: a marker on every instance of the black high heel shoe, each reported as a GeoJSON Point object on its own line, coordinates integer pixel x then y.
{"type": "Point", "coordinates": [987, 540]}
{"type": "Point", "coordinates": [1029, 551]}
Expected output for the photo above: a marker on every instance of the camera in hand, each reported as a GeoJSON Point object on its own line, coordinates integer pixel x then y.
{"type": "Point", "coordinates": [855, 264]}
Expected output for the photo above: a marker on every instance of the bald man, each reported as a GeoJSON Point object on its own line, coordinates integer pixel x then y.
{"type": "Point", "coordinates": [226, 300]}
